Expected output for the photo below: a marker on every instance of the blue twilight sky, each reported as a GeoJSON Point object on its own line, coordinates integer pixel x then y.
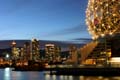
{"type": "Point", "coordinates": [43, 19]}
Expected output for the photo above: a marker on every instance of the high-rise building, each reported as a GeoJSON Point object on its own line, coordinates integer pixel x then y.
{"type": "Point", "coordinates": [35, 49]}
{"type": "Point", "coordinates": [57, 53]}
{"type": "Point", "coordinates": [52, 52]}
{"type": "Point", "coordinates": [21, 53]}
{"type": "Point", "coordinates": [15, 51]}
{"type": "Point", "coordinates": [26, 51]}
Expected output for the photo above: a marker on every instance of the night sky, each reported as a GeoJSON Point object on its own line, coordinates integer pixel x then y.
{"type": "Point", "coordinates": [62, 20]}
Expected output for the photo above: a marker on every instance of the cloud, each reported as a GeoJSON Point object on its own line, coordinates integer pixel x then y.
{"type": "Point", "coordinates": [83, 40]}
{"type": "Point", "coordinates": [75, 29]}
{"type": "Point", "coordinates": [88, 39]}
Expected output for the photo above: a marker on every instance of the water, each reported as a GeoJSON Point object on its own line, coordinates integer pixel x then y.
{"type": "Point", "coordinates": [8, 74]}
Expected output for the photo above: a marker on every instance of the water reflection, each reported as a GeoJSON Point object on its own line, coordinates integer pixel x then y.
{"type": "Point", "coordinates": [8, 74]}
{"type": "Point", "coordinates": [81, 77]}
{"type": "Point", "coordinates": [61, 77]}
{"type": "Point", "coordinates": [16, 75]}
{"type": "Point", "coordinates": [47, 77]}
{"type": "Point", "coordinates": [70, 77]}
{"type": "Point", "coordinates": [56, 77]}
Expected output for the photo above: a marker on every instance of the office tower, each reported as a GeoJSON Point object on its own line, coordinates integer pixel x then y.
{"type": "Point", "coordinates": [57, 53]}
{"type": "Point", "coordinates": [52, 52]}
{"type": "Point", "coordinates": [15, 51]}
{"type": "Point", "coordinates": [35, 49]}
{"type": "Point", "coordinates": [26, 51]}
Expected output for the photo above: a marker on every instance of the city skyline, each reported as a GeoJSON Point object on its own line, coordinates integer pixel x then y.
{"type": "Point", "coordinates": [62, 20]}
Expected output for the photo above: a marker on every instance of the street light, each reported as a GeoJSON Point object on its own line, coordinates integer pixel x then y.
{"type": "Point", "coordinates": [7, 56]}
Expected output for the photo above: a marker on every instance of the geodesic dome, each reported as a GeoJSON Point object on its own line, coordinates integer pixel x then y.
{"type": "Point", "coordinates": [103, 17]}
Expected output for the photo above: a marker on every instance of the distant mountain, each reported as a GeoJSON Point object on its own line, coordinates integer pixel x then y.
{"type": "Point", "coordinates": [64, 45]}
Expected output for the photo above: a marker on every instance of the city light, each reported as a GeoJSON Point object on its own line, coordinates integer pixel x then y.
{"type": "Point", "coordinates": [7, 55]}
{"type": "Point", "coordinates": [115, 59]}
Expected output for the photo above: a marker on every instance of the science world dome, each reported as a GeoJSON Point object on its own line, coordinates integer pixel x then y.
{"type": "Point", "coordinates": [103, 17]}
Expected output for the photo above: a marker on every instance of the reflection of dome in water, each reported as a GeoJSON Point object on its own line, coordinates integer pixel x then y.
{"type": "Point", "coordinates": [103, 17]}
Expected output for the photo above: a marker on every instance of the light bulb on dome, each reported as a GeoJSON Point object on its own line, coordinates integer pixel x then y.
{"type": "Point", "coordinates": [102, 35]}
{"type": "Point", "coordinates": [110, 33]}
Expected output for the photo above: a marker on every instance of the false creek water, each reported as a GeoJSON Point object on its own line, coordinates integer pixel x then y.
{"type": "Point", "coordinates": [8, 74]}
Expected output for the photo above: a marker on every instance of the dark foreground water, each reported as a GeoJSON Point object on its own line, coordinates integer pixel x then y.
{"type": "Point", "coordinates": [8, 74]}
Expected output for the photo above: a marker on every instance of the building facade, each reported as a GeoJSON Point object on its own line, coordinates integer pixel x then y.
{"type": "Point", "coordinates": [35, 49]}
{"type": "Point", "coordinates": [52, 52]}
{"type": "Point", "coordinates": [15, 51]}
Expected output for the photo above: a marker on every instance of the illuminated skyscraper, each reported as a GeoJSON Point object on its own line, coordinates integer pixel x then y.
{"type": "Point", "coordinates": [26, 50]}
{"type": "Point", "coordinates": [22, 53]}
{"type": "Point", "coordinates": [15, 51]}
{"type": "Point", "coordinates": [35, 49]}
{"type": "Point", "coordinates": [57, 53]}
{"type": "Point", "coordinates": [52, 52]}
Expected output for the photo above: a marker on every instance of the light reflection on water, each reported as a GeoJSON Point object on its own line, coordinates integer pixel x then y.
{"type": "Point", "coordinates": [8, 74]}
